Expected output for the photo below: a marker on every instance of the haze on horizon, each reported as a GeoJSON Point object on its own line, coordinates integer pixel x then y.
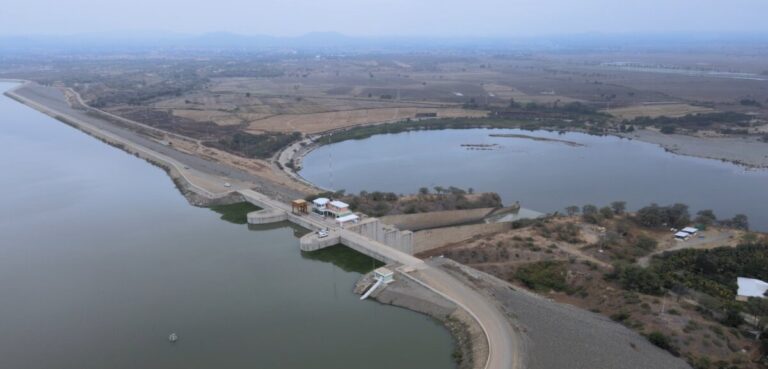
{"type": "Point", "coordinates": [445, 18]}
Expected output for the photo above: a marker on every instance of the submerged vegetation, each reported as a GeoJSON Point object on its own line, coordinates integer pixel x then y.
{"type": "Point", "coordinates": [235, 213]}
{"type": "Point", "coordinates": [345, 258]}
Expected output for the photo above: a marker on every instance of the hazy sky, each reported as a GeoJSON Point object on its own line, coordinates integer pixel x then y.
{"type": "Point", "coordinates": [383, 17]}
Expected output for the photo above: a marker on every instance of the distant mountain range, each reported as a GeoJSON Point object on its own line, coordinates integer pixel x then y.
{"type": "Point", "coordinates": [136, 41]}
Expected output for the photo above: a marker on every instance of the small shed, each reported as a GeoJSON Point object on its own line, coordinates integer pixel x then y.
{"type": "Point", "coordinates": [299, 206]}
{"type": "Point", "coordinates": [347, 218]}
{"type": "Point", "coordinates": [749, 287]}
{"type": "Point", "coordinates": [682, 235]}
{"type": "Point", "coordinates": [384, 274]}
{"type": "Point", "coordinates": [690, 230]}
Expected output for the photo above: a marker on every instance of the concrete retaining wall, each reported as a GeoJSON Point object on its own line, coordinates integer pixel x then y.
{"type": "Point", "coordinates": [436, 219]}
{"type": "Point", "coordinates": [375, 229]}
{"type": "Point", "coordinates": [266, 216]}
{"type": "Point", "coordinates": [434, 238]}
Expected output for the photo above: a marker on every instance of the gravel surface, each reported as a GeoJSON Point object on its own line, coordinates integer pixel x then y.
{"type": "Point", "coordinates": [563, 336]}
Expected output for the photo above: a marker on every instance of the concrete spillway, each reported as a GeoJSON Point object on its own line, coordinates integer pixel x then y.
{"type": "Point", "coordinates": [396, 253]}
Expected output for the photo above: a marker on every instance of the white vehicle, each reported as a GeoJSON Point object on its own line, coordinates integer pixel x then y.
{"type": "Point", "coordinates": [226, 184]}
{"type": "Point", "coordinates": [322, 234]}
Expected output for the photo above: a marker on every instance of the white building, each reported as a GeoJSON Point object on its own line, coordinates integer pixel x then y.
{"type": "Point", "coordinates": [384, 274]}
{"type": "Point", "coordinates": [682, 235]}
{"type": "Point", "coordinates": [339, 210]}
{"type": "Point", "coordinates": [690, 230]}
{"type": "Point", "coordinates": [749, 287]}
{"type": "Point", "coordinates": [319, 205]}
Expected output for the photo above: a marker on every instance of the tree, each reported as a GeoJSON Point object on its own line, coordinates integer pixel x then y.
{"type": "Point", "coordinates": [740, 221]}
{"type": "Point", "coordinates": [619, 207]}
{"type": "Point", "coordinates": [439, 189]}
{"type": "Point", "coordinates": [656, 216]}
{"type": "Point", "coordinates": [589, 209]}
{"type": "Point", "coordinates": [732, 318]}
{"type": "Point", "coordinates": [635, 278]}
{"type": "Point", "coordinates": [646, 243]}
{"type": "Point", "coordinates": [456, 190]}
{"type": "Point", "coordinates": [659, 339]}
{"type": "Point", "coordinates": [424, 191]}
{"type": "Point", "coordinates": [705, 217]}
{"type": "Point", "coordinates": [589, 213]}
{"type": "Point", "coordinates": [759, 308]}
{"type": "Point", "coordinates": [668, 130]}
{"type": "Point", "coordinates": [678, 215]}
{"type": "Point", "coordinates": [606, 212]}
{"type": "Point", "coordinates": [572, 210]}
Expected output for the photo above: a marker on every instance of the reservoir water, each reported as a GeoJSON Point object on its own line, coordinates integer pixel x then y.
{"type": "Point", "coordinates": [543, 175]}
{"type": "Point", "coordinates": [101, 259]}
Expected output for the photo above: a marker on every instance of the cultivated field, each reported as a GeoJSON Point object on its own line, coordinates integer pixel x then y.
{"type": "Point", "coordinates": [656, 110]}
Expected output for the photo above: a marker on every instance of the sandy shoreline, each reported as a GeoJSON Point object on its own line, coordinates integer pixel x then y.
{"type": "Point", "coordinates": [748, 152]}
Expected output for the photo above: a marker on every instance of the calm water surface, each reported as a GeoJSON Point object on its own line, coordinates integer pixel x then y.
{"type": "Point", "coordinates": [101, 259]}
{"type": "Point", "coordinates": [543, 176]}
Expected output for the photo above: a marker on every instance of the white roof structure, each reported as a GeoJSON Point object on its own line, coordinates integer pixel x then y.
{"type": "Point", "coordinates": [690, 230]}
{"type": "Point", "coordinates": [320, 201]}
{"type": "Point", "coordinates": [339, 204]}
{"type": "Point", "coordinates": [682, 234]}
{"type": "Point", "coordinates": [383, 272]}
{"type": "Point", "coordinates": [347, 218]}
{"type": "Point", "coordinates": [749, 287]}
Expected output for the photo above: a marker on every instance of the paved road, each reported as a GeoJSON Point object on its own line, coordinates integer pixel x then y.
{"type": "Point", "coordinates": [504, 344]}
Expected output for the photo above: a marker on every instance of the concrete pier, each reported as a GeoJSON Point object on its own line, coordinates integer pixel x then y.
{"type": "Point", "coordinates": [313, 242]}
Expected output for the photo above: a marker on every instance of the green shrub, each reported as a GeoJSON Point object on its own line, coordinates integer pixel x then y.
{"type": "Point", "coordinates": [543, 276]}
{"type": "Point", "coordinates": [662, 341]}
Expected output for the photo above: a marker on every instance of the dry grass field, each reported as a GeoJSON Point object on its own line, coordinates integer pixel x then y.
{"type": "Point", "coordinates": [320, 122]}
{"type": "Point", "coordinates": [216, 100]}
{"type": "Point", "coordinates": [656, 110]}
